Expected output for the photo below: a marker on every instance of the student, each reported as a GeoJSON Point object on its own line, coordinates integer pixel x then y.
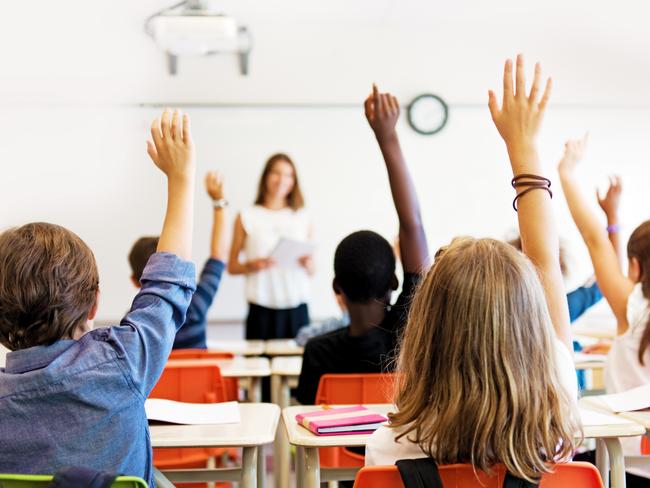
{"type": "Point", "coordinates": [277, 296]}
{"type": "Point", "coordinates": [628, 361]}
{"type": "Point", "coordinates": [364, 269]}
{"type": "Point", "coordinates": [72, 396]}
{"type": "Point", "coordinates": [485, 373]}
{"type": "Point", "coordinates": [192, 335]}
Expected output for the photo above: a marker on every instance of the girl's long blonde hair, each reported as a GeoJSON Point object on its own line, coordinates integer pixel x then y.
{"type": "Point", "coordinates": [477, 379]}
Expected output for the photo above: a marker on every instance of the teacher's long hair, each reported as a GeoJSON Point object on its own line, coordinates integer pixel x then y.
{"type": "Point", "coordinates": [295, 199]}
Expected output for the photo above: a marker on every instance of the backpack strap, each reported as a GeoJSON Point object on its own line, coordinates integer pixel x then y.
{"type": "Point", "coordinates": [512, 481]}
{"type": "Point", "coordinates": [423, 473]}
{"type": "Point", "coordinates": [419, 473]}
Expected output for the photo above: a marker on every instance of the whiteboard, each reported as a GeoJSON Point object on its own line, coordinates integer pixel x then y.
{"type": "Point", "coordinates": [85, 167]}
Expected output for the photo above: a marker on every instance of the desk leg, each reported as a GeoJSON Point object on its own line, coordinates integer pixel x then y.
{"type": "Point", "coordinates": [300, 466]}
{"type": "Point", "coordinates": [282, 458]}
{"type": "Point", "coordinates": [616, 461]}
{"type": "Point", "coordinates": [261, 467]}
{"type": "Point", "coordinates": [312, 468]}
{"type": "Point", "coordinates": [602, 461]}
{"type": "Point", "coordinates": [254, 389]}
{"type": "Point", "coordinates": [249, 468]}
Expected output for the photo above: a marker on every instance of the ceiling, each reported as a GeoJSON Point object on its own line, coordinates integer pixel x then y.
{"type": "Point", "coordinates": [76, 51]}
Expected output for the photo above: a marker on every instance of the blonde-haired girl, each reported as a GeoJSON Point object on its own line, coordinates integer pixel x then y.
{"type": "Point", "coordinates": [485, 369]}
{"type": "Point", "coordinates": [628, 361]}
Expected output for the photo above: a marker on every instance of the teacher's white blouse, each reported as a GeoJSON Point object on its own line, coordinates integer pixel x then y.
{"type": "Point", "coordinates": [275, 287]}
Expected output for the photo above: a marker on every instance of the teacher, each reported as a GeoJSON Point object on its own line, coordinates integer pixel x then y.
{"type": "Point", "coordinates": [277, 295]}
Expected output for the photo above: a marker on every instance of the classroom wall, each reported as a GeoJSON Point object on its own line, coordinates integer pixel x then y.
{"type": "Point", "coordinates": [82, 82]}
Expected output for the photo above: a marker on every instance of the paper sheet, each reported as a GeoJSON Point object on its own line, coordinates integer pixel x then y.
{"type": "Point", "coordinates": [192, 413]}
{"type": "Point", "coordinates": [287, 252]}
{"type": "Point", "coordinates": [627, 401]}
{"type": "Point", "coordinates": [595, 419]}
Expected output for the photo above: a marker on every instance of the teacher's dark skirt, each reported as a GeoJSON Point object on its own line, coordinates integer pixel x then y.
{"type": "Point", "coordinates": [270, 323]}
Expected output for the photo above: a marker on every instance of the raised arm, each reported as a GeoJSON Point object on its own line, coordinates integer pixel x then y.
{"type": "Point", "coordinates": [172, 150]}
{"type": "Point", "coordinates": [614, 285]}
{"type": "Point", "coordinates": [214, 187]}
{"type": "Point", "coordinates": [518, 121]}
{"type": "Point", "coordinates": [609, 203]}
{"type": "Point", "coordinates": [382, 112]}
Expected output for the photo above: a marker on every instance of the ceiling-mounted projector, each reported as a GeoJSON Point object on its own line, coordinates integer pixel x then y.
{"type": "Point", "coordinates": [193, 28]}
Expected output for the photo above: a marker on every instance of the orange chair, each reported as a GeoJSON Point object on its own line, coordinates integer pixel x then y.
{"type": "Point", "coordinates": [231, 384]}
{"type": "Point", "coordinates": [192, 384]}
{"type": "Point", "coordinates": [645, 446]}
{"type": "Point", "coordinates": [354, 389]}
{"type": "Point", "coordinates": [566, 475]}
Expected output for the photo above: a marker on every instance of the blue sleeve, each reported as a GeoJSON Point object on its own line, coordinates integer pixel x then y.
{"type": "Point", "coordinates": [193, 333]}
{"type": "Point", "coordinates": [145, 335]}
{"type": "Point", "coordinates": [582, 299]}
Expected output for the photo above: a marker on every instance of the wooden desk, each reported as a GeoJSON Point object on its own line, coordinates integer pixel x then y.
{"type": "Point", "coordinates": [282, 347]}
{"type": "Point", "coordinates": [239, 348]}
{"type": "Point", "coordinates": [309, 474]}
{"type": "Point", "coordinates": [257, 428]}
{"type": "Point", "coordinates": [285, 371]}
{"type": "Point", "coordinates": [249, 369]}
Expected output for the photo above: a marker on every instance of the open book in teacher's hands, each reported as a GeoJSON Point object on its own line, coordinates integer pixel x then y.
{"type": "Point", "coordinates": [341, 421]}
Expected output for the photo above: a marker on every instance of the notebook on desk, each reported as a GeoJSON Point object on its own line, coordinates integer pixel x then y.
{"type": "Point", "coordinates": [341, 421]}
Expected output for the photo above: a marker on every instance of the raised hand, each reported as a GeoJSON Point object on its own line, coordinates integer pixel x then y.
{"type": "Point", "coordinates": [382, 112]}
{"type": "Point", "coordinates": [172, 149]}
{"type": "Point", "coordinates": [518, 120]}
{"type": "Point", "coordinates": [520, 116]}
{"type": "Point", "coordinates": [214, 185]}
{"type": "Point", "coordinates": [574, 151]}
{"type": "Point", "coordinates": [609, 203]}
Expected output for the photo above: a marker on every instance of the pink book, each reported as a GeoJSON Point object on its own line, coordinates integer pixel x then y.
{"type": "Point", "coordinates": [340, 421]}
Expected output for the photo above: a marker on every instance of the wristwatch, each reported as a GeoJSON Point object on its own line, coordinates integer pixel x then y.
{"type": "Point", "coordinates": [220, 203]}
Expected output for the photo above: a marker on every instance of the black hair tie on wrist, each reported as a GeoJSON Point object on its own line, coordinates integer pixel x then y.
{"type": "Point", "coordinates": [537, 183]}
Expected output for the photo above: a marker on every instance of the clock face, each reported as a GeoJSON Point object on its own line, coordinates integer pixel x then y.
{"type": "Point", "coordinates": [427, 114]}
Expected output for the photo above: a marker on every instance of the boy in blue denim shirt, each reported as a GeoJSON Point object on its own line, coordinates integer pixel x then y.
{"type": "Point", "coordinates": [70, 396]}
{"type": "Point", "coordinates": [192, 335]}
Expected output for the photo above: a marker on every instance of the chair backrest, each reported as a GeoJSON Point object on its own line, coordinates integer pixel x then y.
{"type": "Point", "coordinates": [42, 481]}
{"type": "Point", "coordinates": [342, 389]}
{"type": "Point", "coordinates": [199, 354]}
{"type": "Point", "coordinates": [565, 475]}
{"type": "Point", "coordinates": [191, 383]}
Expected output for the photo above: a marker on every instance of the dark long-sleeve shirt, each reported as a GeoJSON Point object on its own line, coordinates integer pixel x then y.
{"type": "Point", "coordinates": [192, 335]}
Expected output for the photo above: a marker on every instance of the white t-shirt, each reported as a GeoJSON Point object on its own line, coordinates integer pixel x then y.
{"type": "Point", "coordinates": [623, 371]}
{"type": "Point", "coordinates": [275, 287]}
{"type": "Point", "coordinates": [383, 450]}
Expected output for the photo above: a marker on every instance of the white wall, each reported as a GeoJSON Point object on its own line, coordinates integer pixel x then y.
{"type": "Point", "coordinates": [73, 129]}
